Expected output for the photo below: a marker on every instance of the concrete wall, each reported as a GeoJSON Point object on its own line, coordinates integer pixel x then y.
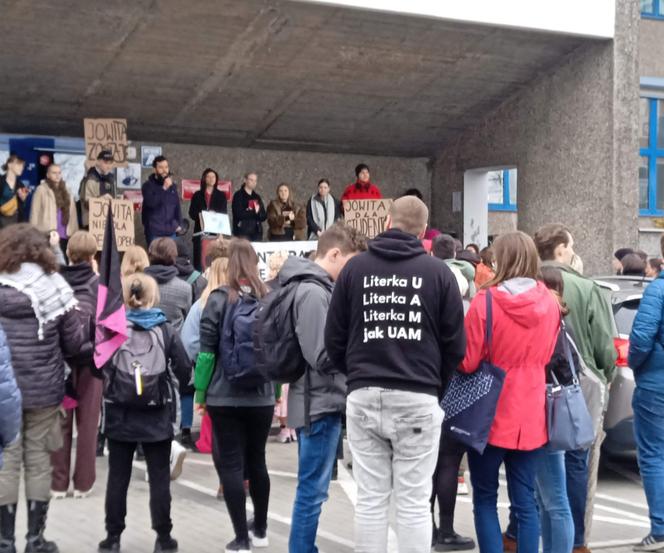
{"type": "Point", "coordinates": [572, 135]}
{"type": "Point", "coordinates": [651, 48]}
{"type": "Point", "coordinates": [501, 222]}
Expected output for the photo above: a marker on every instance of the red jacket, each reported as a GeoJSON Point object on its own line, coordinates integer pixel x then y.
{"type": "Point", "coordinates": [525, 330]}
{"type": "Point", "coordinates": [361, 191]}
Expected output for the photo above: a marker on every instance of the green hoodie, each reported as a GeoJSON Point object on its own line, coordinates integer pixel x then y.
{"type": "Point", "coordinates": [590, 317]}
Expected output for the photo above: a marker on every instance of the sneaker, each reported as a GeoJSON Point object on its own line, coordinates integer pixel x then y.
{"type": "Point", "coordinates": [453, 542]}
{"type": "Point", "coordinates": [293, 435]}
{"type": "Point", "coordinates": [178, 453]}
{"type": "Point", "coordinates": [187, 440]}
{"type": "Point", "coordinates": [258, 538]}
{"type": "Point", "coordinates": [165, 544]}
{"type": "Point", "coordinates": [284, 436]}
{"type": "Point", "coordinates": [462, 487]}
{"type": "Point", "coordinates": [238, 546]}
{"type": "Point", "coordinates": [110, 545]}
{"type": "Point", "coordinates": [509, 544]}
{"type": "Point", "coordinates": [58, 495]}
{"type": "Point", "coordinates": [78, 494]}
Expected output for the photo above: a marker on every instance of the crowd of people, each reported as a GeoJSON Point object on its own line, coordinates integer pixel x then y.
{"type": "Point", "coordinates": [362, 337]}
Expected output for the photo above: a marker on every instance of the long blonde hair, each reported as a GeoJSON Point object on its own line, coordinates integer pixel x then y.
{"type": "Point", "coordinates": [135, 260]}
{"type": "Point", "coordinates": [216, 278]}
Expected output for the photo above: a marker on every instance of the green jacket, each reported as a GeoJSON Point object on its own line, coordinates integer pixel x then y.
{"type": "Point", "coordinates": [590, 318]}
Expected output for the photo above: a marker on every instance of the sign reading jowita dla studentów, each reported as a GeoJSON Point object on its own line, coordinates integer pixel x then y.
{"type": "Point", "coordinates": [123, 221]}
{"type": "Point", "coordinates": [367, 216]}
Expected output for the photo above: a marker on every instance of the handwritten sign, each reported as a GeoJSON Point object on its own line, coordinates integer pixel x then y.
{"type": "Point", "coordinates": [123, 221]}
{"type": "Point", "coordinates": [300, 248]}
{"type": "Point", "coordinates": [191, 186]}
{"type": "Point", "coordinates": [367, 216]}
{"type": "Point", "coordinates": [106, 134]}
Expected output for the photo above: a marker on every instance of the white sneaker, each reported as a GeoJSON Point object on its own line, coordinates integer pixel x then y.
{"type": "Point", "coordinates": [81, 495]}
{"type": "Point", "coordinates": [257, 540]}
{"type": "Point", "coordinates": [284, 436]}
{"type": "Point", "coordinates": [58, 495]}
{"type": "Point", "coordinates": [293, 435]}
{"type": "Point", "coordinates": [178, 453]}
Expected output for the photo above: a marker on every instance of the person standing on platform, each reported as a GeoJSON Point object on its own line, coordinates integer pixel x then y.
{"type": "Point", "coordinates": [160, 213]}
{"type": "Point", "coordinates": [323, 210]}
{"type": "Point", "coordinates": [99, 182]}
{"type": "Point", "coordinates": [362, 188]}
{"type": "Point", "coordinates": [248, 210]}
{"type": "Point", "coordinates": [13, 192]}
{"type": "Point", "coordinates": [287, 220]}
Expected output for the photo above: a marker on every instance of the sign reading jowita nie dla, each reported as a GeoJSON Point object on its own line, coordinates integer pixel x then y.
{"type": "Point", "coordinates": [105, 134]}
{"type": "Point", "coordinates": [123, 221]}
{"type": "Point", "coordinates": [367, 216]}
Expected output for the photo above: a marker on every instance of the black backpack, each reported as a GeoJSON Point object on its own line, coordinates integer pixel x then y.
{"type": "Point", "coordinates": [277, 351]}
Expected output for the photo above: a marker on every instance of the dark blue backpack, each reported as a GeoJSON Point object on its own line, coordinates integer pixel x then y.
{"type": "Point", "coordinates": [237, 345]}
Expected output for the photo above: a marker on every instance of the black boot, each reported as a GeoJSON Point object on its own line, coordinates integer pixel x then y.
{"type": "Point", "coordinates": [165, 544]}
{"type": "Point", "coordinates": [187, 441]}
{"type": "Point", "coordinates": [36, 525]}
{"type": "Point", "coordinates": [110, 545]}
{"type": "Point", "coordinates": [101, 440]}
{"type": "Point", "coordinates": [7, 525]}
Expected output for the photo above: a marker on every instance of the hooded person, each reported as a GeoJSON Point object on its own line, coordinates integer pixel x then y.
{"type": "Point", "coordinates": [443, 247]}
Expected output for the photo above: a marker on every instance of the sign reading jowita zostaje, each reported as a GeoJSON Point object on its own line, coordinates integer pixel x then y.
{"type": "Point", "coordinates": [367, 216]}
{"type": "Point", "coordinates": [123, 221]}
{"type": "Point", "coordinates": [106, 134]}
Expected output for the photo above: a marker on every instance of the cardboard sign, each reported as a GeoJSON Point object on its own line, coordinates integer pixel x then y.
{"type": "Point", "coordinates": [106, 134]}
{"type": "Point", "coordinates": [367, 216]}
{"type": "Point", "coordinates": [191, 186]}
{"type": "Point", "coordinates": [301, 248]}
{"type": "Point", "coordinates": [215, 223]}
{"type": "Point", "coordinates": [123, 221]}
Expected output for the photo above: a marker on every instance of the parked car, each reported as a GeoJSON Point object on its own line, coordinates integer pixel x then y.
{"type": "Point", "coordinates": [624, 293]}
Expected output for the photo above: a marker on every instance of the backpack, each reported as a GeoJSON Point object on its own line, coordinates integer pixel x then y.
{"type": "Point", "coordinates": [139, 374]}
{"type": "Point", "coordinates": [237, 346]}
{"type": "Point", "coordinates": [277, 349]}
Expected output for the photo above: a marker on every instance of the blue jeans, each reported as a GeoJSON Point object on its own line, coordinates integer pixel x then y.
{"type": "Point", "coordinates": [317, 453]}
{"type": "Point", "coordinates": [521, 468]}
{"type": "Point", "coordinates": [576, 467]}
{"type": "Point", "coordinates": [555, 513]}
{"type": "Point", "coordinates": [648, 423]}
{"type": "Point", "coordinates": [187, 408]}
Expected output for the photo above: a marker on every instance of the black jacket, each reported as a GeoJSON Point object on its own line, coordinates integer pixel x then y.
{"type": "Point", "coordinates": [559, 365]}
{"type": "Point", "coordinates": [185, 271]}
{"type": "Point", "coordinates": [246, 222]}
{"type": "Point", "coordinates": [38, 364]}
{"type": "Point", "coordinates": [396, 318]}
{"type": "Point", "coordinates": [218, 203]}
{"type": "Point", "coordinates": [148, 425]}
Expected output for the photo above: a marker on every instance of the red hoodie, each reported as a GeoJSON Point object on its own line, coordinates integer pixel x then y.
{"type": "Point", "coordinates": [361, 191]}
{"type": "Point", "coordinates": [525, 330]}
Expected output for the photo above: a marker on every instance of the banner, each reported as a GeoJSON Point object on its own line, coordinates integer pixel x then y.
{"type": "Point", "coordinates": [191, 186]}
{"type": "Point", "coordinates": [123, 221]}
{"type": "Point", "coordinates": [300, 248]}
{"type": "Point", "coordinates": [367, 216]}
{"type": "Point", "coordinates": [105, 134]}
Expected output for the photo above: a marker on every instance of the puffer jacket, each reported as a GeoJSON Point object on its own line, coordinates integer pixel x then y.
{"type": "Point", "coordinates": [10, 398]}
{"type": "Point", "coordinates": [38, 364]}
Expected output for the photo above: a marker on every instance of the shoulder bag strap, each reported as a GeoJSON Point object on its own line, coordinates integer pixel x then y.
{"type": "Point", "coordinates": [568, 354]}
{"type": "Point", "coordinates": [489, 324]}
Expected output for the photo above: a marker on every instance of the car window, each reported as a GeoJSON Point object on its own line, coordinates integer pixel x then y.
{"type": "Point", "coordinates": [624, 314]}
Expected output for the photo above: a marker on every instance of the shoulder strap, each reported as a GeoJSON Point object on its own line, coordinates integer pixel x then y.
{"type": "Point", "coordinates": [568, 353]}
{"type": "Point", "coordinates": [193, 277]}
{"type": "Point", "coordinates": [489, 323]}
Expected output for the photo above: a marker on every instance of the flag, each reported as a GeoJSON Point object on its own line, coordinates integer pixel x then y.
{"type": "Point", "coordinates": [111, 320]}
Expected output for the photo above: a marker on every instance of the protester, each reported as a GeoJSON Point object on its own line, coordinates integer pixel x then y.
{"type": "Point", "coordinates": [443, 247]}
{"type": "Point", "coordinates": [646, 358]}
{"type": "Point", "coordinates": [248, 210]}
{"type": "Point", "coordinates": [186, 271]}
{"type": "Point", "coordinates": [127, 419]}
{"type": "Point", "coordinates": [524, 312]}
{"type": "Point", "coordinates": [135, 260]}
{"type": "Point", "coordinates": [10, 416]}
{"type": "Point", "coordinates": [316, 402]}
{"type": "Point", "coordinates": [654, 267]}
{"type": "Point", "coordinates": [38, 314]}
{"type": "Point", "coordinates": [484, 271]}
{"type": "Point", "coordinates": [286, 220]}
{"type": "Point", "coordinates": [618, 257]}
{"type": "Point", "coordinates": [633, 265]}
{"type": "Point", "coordinates": [216, 249]}
{"type": "Point", "coordinates": [160, 213]}
{"type": "Point", "coordinates": [396, 361]}
{"type": "Point", "coordinates": [590, 319]}
{"type": "Point", "coordinates": [13, 192]}
{"type": "Point", "coordinates": [241, 417]}
{"type": "Point", "coordinates": [53, 207]}
{"type": "Point", "coordinates": [174, 293]}
{"type": "Point", "coordinates": [208, 198]}
{"type": "Point", "coordinates": [84, 382]}
{"type": "Point", "coordinates": [362, 188]}
{"type": "Point", "coordinates": [323, 210]}
{"type": "Point", "coordinates": [473, 248]}
{"type": "Point", "coordinates": [99, 182]}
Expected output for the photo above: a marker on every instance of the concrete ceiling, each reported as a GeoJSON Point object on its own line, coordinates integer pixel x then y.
{"type": "Point", "coordinates": [265, 74]}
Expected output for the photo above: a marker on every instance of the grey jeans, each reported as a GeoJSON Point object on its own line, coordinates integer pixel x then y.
{"type": "Point", "coordinates": [41, 434]}
{"type": "Point", "coordinates": [394, 437]}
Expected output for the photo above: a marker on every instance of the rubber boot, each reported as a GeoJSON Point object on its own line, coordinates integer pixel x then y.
{"type": "Point", "coordinates": [7, 528]}
{"type": "Point", "coordinates": [36, 543]}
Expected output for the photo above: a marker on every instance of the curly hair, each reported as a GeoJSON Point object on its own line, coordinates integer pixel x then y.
{"type": "Point", "coordinates": [23, 243]}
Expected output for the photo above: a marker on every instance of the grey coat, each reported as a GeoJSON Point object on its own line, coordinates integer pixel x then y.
{"type": "Point", "coordinates": [327, 392]}
{"type": "Point", "coordinates": [175, 295]}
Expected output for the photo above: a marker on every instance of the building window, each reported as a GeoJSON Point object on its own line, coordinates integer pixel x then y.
{"type": "Point", "coordinates": [651, 165]}
{"type": "Point", "coordinates": [502, 190]}
{"type": "Point", "coordinates": [652, 9]}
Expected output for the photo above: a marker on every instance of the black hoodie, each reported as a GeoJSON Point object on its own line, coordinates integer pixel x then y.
{"type": "Point", "coordinates": [396, 318]}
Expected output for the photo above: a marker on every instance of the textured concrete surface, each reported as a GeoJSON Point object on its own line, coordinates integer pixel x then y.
{"type": "Point", "coordinates": [572, 136]}
{"type": "Point", "coordinates": [260, 73]}
{"type": "Point", "coordinates": [651, 48]}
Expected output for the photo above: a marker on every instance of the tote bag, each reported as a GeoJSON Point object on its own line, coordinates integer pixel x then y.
{"type": "Point", "coordinates": [470, 401]}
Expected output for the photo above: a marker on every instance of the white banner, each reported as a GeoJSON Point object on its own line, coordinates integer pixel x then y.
{"type": "Point", "coordinates": [301, 248]}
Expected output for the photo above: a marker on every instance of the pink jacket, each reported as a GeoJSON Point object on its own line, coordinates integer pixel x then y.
{"type": "Point", "coordinates": [525, 330]}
